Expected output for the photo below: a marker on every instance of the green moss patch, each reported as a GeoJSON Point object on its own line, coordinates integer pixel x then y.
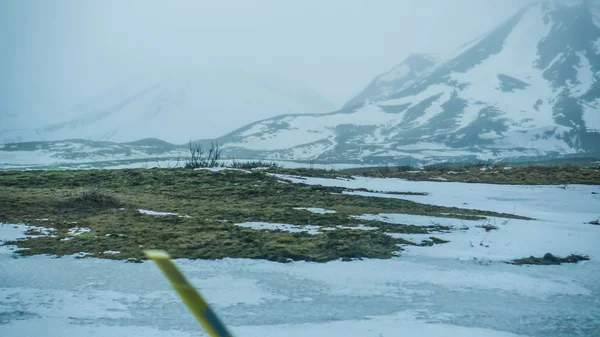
{"type": "Point", "coordinates": [207, 205]}
{"type": "Point", "coordinates": [490, 174]}
{"type": "Point", "coordinates": [549, 259]}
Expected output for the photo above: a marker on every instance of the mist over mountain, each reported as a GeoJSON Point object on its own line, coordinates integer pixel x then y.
{"type": "Point", "coordinates": [529, 88]}
{"type": "Point", "coordinates": [399, 77]}
{"type": "Point", "coordinates": [175, 105]}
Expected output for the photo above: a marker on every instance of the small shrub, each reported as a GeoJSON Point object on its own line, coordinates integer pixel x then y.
{"type": "Point", "coordinates": [441, 167]}
{"type": "Point", "coordinates": [249, 165]}
{"type": "Point", "coordinates": [432, 241]}
{"type": "Point", "coordinates": [384, 170]}
{"type": "Point", "coordinates": [550, 259]}
{"type": "Point", "coordinates": [203, 158]}
{"type": "Point", "coordinates": [438, 241]}
{"type": "Point", "coordinates": [488, 227]}
{"type": "Point", "coordinates": [404, 168]}
{"type": "Point", "coordinates": [477, 164]}
{"type": "Point", "coordinates": [92, 199]}
{"type": "Point", "coordinates": [34, 231]}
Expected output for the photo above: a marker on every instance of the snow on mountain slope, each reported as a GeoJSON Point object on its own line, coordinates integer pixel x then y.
{"type": "Point", "coordinates": [399, 77]}
{"type": "Point", "coordinates": [529, 88]}
{"type": "Point", "coordinates": [177, 106]}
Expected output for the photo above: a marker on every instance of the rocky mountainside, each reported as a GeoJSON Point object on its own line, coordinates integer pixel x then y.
{"type": "Point", "coordinates": [530, 88]}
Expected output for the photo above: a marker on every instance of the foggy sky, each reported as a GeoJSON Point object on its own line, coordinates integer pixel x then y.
{"type": "Point", "coordinates": [56, 53]}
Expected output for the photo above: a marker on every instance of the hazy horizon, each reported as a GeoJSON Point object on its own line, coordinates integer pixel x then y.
{"type": "Point", "coordinates": [58, 54]}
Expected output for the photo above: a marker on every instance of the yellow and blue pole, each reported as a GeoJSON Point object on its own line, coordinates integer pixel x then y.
{"type": "Point", "coordinates": [192, 299]}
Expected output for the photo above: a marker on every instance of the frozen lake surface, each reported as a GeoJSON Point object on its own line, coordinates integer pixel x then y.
{"type": "Point", "coordinates": [454, 289]}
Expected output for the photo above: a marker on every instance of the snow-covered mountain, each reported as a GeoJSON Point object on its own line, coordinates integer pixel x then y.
{"type": "Point", "coordinates": [529, 88]}
{"type": "Point", "coordinates": [175, 106]}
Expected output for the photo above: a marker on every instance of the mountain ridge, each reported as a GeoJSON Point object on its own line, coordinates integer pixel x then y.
{"type": "Point", "coordinates": [524, 89]}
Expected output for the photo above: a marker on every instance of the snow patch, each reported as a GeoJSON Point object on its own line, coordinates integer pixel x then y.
{"type": "Point", "coordinates": [562, 213]}
{"type": "Point", "coordinates": [76, 231]}
{"type": "Point", "coordinates": [149, 212]}
{"type": "Point", "coordinates": [316, 210]}
{"type": "Point", "coordinates": [591, 116]}
{"type": "Point", "coordinates": [585, 76]}
{"type": "Point", "coordinates": [359, 228]}
{"type": "Point", "coordinates": [543, 143]}
{"type": "Point", "coordinates": [310, 229]}
{"type": "Point", "coordinates": [596, 16]}
{"type": "Point", "coordinates": [11, 232]}
{"type": "Point", "coordinates": [418, 220]}
{"type": "Point", "coordinates": [219, 169]}
{"type": "Point", "coordinates": [517, 59]}
{"type": "Point", "coordinates": [489, 135]}
{"type": "Point", "coordinates": [304, 130]}
{"type": "Point", "coordinates": [111, 252]}
{"type": "Point", "coordinates": [82, 254]}
{"type": "Point", "coordinates": [434, 109]}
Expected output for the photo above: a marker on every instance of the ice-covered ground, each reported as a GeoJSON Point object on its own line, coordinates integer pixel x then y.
{"type": "Point", "coordinates": [451, 289]}
{"type": "Point", "coordinates": [560, 214]}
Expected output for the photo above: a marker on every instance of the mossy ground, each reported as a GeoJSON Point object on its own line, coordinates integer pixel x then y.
{"type": "Point", "coordinates": [492, 174]}
{"type": "Point", "coordinates": [107, 202]}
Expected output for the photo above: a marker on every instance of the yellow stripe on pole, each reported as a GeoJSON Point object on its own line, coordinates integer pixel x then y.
{"type": "Point", "coordinates": [192, 299]}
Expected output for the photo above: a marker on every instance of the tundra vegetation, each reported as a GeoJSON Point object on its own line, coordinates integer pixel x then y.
{"type": "Point", "coordinates": [199, 212]}
{"type": "Point", "coordinates": [203, 208]}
